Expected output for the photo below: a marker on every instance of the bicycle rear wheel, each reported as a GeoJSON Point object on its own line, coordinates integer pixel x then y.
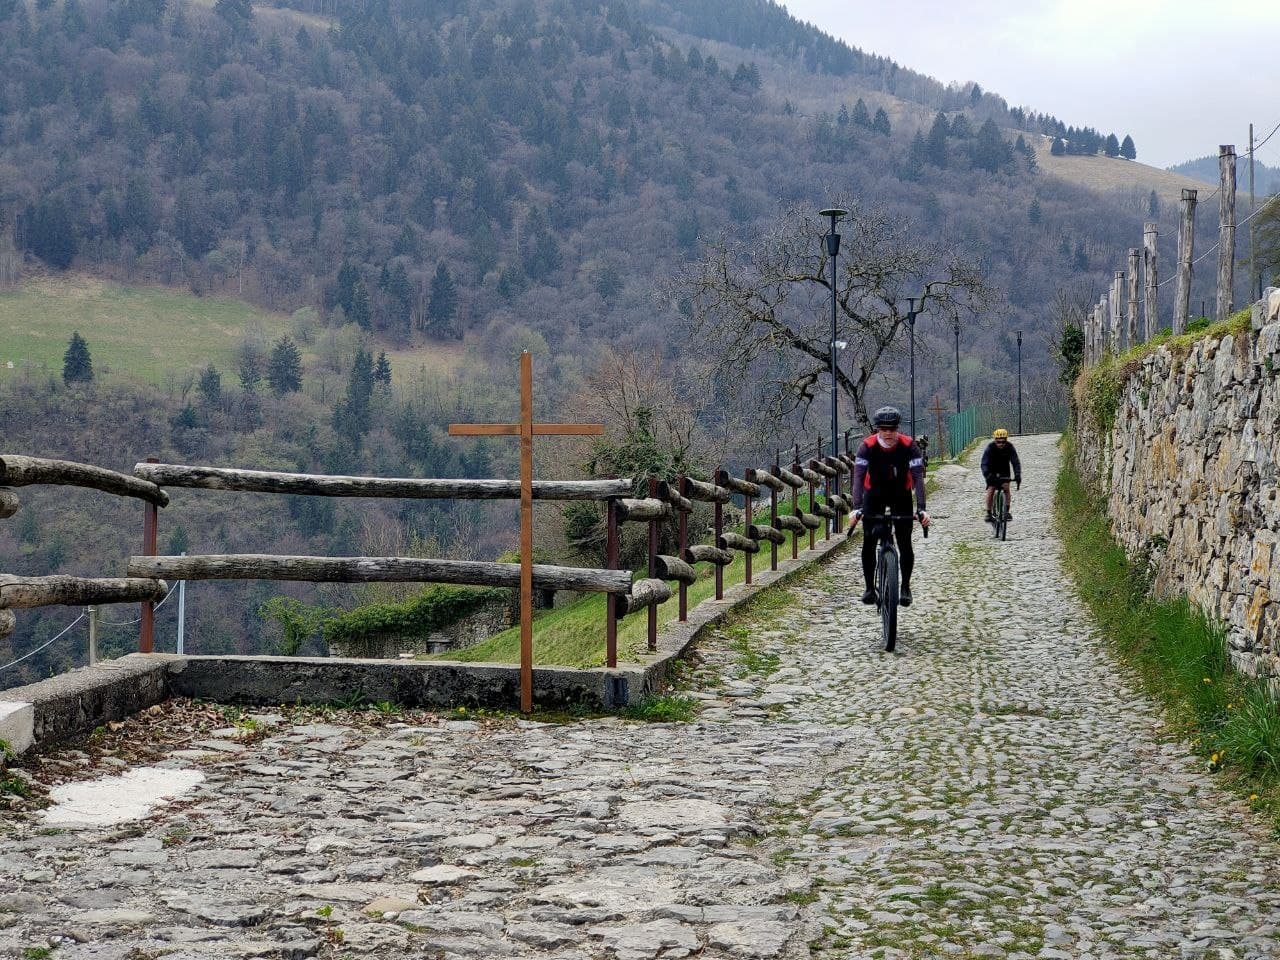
{"type": "Point", "coordinates": [889, 599]}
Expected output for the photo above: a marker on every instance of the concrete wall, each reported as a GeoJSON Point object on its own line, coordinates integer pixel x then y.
{"type": "Point", "coordinates": [1190, 470]}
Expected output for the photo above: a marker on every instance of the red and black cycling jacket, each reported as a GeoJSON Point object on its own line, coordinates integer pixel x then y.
{"type": "Point", "coordinates": [897, 470]}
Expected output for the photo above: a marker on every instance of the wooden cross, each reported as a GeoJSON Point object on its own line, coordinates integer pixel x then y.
{"type": "Point", "coordinates": [526, 430]}
{"type": "Point", "coordinates": [938, 410]}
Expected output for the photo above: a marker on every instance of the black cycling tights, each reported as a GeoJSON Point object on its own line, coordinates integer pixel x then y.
{"type": "Point", "coordinates": [907, 556]}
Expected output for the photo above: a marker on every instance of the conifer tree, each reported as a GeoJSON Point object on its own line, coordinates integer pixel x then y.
{"type": "Point", "coordinates": [881, 123]}
{"type": "Point", "coordinates": [284, 369]}
{"type": "Point", "coordinates": [860, 116]}
{"type": "Point", "coordinates": [443, 305]}
{"type": "Point", "coordinates": [210, 385]}
{"type": "Point", "coordinates": [382, 370]}
{"type": "Point", "coordinates": [1127, 149]}
{"type": "Point", "coordinates": [77, 364]}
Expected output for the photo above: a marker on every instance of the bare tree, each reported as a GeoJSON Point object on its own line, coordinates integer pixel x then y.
{"type": "Point", "coordinates": [759, 310]}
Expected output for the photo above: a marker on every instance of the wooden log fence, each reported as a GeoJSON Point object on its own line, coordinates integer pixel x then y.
{"type": "Point", "coordinates": [147, 572]}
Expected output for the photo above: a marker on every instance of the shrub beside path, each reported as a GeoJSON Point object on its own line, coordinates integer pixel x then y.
{"type": "Point", "coordinates": [996, 789]}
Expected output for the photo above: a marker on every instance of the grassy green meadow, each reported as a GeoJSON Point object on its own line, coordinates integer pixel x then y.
{"type": "Point", "coordinates": [135, 332]}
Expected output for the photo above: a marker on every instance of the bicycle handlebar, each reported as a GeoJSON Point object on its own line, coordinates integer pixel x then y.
{"type": "Point", "coordinates": [895, 516]}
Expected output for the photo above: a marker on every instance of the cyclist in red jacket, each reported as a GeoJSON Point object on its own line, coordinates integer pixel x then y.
{"type": "Point", "coordinates": [886, 469]}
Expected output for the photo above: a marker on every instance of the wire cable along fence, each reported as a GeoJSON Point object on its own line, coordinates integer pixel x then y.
{"type": "Point", "coordinates": [820, 473]}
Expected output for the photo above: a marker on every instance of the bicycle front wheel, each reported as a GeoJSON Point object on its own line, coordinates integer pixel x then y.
{"type": "Point", "coordinates": [889, 599]}
{"type": "Point", "coordinates": [1002, 525]}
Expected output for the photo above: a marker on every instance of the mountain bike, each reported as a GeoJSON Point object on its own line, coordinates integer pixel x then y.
{"type": "Point", "coordinates": [880, 526]}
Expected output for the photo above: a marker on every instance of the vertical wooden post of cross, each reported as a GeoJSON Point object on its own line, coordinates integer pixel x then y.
{"type": "Point", "coordinates": [937, 410]}
{"type": "Point", "coordinates": [526, 429]}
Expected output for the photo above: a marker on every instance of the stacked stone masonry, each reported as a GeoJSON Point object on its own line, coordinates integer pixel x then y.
{"type": "Point", "coordinates": [1191, 471]}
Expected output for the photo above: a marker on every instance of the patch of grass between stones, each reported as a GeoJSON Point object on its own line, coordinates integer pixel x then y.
{"type": "Point", "coordinates": [670, 708]}
{"type": "Point", "coordinates": [1178, 653]}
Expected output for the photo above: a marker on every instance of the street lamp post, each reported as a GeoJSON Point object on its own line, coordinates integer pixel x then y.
{"type": "Point", "coordinates": [912, 313]}
{"type": "Point", "coordinates": [956, 327]}
{"type": "Point", "coordinates": [1019, 383]}
{"type": "Point", "coordinates": [833, 249]}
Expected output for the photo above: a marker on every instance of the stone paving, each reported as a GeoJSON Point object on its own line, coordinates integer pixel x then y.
{"type": "Point", "coordinates": [993, 789]}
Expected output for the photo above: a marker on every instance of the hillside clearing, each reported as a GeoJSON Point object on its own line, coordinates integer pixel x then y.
{"type": "Point", "coordinates": [137, 332]}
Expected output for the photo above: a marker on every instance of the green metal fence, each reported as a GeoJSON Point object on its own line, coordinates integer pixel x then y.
{"type": "Point", "coordinates": [975, 422]}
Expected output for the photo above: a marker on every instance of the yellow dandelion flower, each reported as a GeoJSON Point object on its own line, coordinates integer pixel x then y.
{"type": "Point", "coordinates": [1252, 797]}
{"type": "Point", "coordinates": [1207, 680]}
{"type": "Point", "coordinates": [1214, 758]}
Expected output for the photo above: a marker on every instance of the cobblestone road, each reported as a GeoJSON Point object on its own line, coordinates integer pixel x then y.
{"type": "Point", "coordinates": [994, 789]}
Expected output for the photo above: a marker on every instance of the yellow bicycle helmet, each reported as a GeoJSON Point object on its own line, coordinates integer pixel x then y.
{"type": "Point", "coordinates": [1001, 434]}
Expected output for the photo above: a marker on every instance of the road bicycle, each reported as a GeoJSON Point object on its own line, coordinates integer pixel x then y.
{"type": "Point", "coordinates": [1000, 511]}
{"type": "Point", "coordinates": [880, 526]}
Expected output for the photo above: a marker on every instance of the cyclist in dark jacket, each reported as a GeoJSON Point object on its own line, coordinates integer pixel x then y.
{"type": "Point", "coordinates": [887, 468]}
{"type": "Point", "coordinates": [997, 460]}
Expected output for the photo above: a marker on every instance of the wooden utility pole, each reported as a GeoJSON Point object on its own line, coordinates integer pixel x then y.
{"type": "Point", "coordinates": [526, 430]}
{"type": "Point", "coordinates": [1135, 261]}
{"type": "Point", "coordinates": [1150, 274]}
{"type": "Point", "coordinates": [1255, 283]}
{"type": "Point", "coordinates": [1186, 252]}
{"type": "Point", "coordinates": [1226, 230]}
{"type": "Point", "coordinates": [1117, 313]}
{"type": "Point", "coordinates": [1104, 330]}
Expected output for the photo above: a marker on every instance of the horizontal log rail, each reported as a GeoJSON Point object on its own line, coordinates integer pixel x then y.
{"type": "Point", "coordinates": [767, 479]}
{"type": "Point", "coordinates": [644, 594]}
{"type": "Point", "coordinates": [837, 464]}
{"type": "Point", "coordinates": [757, 532]}
{"type": "Point", "coordinates": [817, 466]}
{"type": "Point", "coordinates": [787, 522]}
{"type": "Point", "coordinates": [18, 471]}
{"type": "Point", "coordinates": [668, 491]}
{"type": "Point", "coordinates": [736, 541]}
{"type": "Point", "coordinates": [809, 520]}
{"type": "Point", "coordinates": [706, 492]}
{"type": "Point", "coordinates": [706, 553]}
{"type": "Point", "coordinates": [810, 476]}
{"type": "Point", "coordinates": [744, 487]}
{"type": "Point", "coordinates": [27, 592]}
{"type": "Point", "coordinates": [673, 568]}
{"type": "Point", "coordinates": [9, 504]}
{"type": "Point", "coordinates": [377, 570]}
{"type": "Point", "coordinates": [322, 485]}
{"type": "Point", "coordinates": [789, 478]}
{"type": "Point", "coordinates": [839, 502]}
{"type": "Point", "coordinates": [629, 509]}
{"type": "Point", "coordinates": [822, 510]}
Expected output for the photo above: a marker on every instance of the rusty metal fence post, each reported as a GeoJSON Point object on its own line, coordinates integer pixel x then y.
{"type": "Point", "coordinates": [719, 476]}
{"type": "Point", "coordinates": [795, 506]}
{"type": "Point", "coordinates": [653, 566]}
{"type": "Point", "coordinates": [150, 531]}
{"type": "Point", "coordinates": [773, 515]}
{"type": "Point", "coordinates": [683, 490]}
{"type": "Point", "coordinates": [748, 519]}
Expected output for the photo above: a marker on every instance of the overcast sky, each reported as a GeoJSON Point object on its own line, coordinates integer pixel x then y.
{"type": "Point", "coordinates": [1181, 76]}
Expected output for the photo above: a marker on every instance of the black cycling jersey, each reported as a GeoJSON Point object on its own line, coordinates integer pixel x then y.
{"type": "Point", "coordinates": [996, 461]}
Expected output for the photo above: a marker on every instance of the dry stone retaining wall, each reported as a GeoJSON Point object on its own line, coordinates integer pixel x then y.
{"type": "Point", "coordinates": [1191, 470]}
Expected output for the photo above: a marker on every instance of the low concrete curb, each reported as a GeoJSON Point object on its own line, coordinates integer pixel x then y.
{"type": "Point", "coordinates": [75, 703]}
